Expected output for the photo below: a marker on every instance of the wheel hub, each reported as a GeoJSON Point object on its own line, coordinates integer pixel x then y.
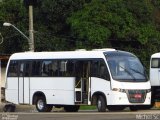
{"type": "Point", "coordinates": [99, 104]}
{"type": "Point", "coordinates": [40, 104]}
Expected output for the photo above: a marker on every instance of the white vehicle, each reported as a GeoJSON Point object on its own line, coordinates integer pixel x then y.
{"type": "Point", "coordinates": [155, 76]}
{"type": "Point", "coordinates": [107, 78]}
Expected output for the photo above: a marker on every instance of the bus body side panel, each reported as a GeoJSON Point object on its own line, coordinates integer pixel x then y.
{"type": "Point", "coordinates": [26, 90]}
{"type": "Point", "coordinates": [57, 90]}
{"type": "Point", "coordinates": [11, 92]}
{"type": "Point", "coordinates": [21, 90]}
{"type": "Point", "coordinates": [100, 85]}
{"type": "Point", "coordinates": [155, 76]}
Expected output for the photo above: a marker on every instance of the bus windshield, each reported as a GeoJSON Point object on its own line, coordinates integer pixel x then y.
{"type": "Point", "coordinates": [126, 68]}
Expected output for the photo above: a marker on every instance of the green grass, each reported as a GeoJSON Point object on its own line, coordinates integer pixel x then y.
{"type": "Point", "coordinates": [87, 107]}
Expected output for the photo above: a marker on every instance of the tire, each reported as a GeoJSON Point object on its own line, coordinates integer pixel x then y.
{"type": "Point", "coordinates": [41, 105]}
{"type": "Point", "coordinates": [115, 108]}
{"type": "Point", "coordinates": [133, 108]}
{"type": "Point", "coordinates": [101, 104]}
{"type": "Point", "coordinates": [71, 108]}
{"type": "Point", "coordinates": [9, 108]}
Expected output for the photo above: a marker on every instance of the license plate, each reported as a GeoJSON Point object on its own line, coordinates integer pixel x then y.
{"type": "Point", "coordinates": [138, 96]}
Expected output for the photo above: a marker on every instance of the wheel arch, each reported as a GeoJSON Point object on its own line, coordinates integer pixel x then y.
{"type": "Point", "coordinates": [95, 97]}
{"type": "Point", "coordinates": [37, 94]}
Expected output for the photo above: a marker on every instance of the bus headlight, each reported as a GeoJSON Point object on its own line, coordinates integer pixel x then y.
{"type": "Point", "coordinates": [119, 90]}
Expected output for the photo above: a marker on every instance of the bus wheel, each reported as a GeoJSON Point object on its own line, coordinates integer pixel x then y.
{"type": "Point", "coordinates": [101, 104]}
{"type": "Point", "coordinates": [9, 108]}
{"type": "Point", "coordinates": [71, 108]}
{"type": "Point", "coordinates": [41, 105]}
{"type": "Point", "coordinates": [133, 108]}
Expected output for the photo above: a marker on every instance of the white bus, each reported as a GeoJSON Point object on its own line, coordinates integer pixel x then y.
{"type": "Point", "coordinates": [107, 78]}
{"type": "Point", "coordinates": [155, 76]}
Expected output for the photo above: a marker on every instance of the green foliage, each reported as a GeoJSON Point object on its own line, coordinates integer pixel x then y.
{"type": "Point", "coordinates": [101, 20]}
{"type": "Point", "coordinates": [51, 30]}
{"type": "Point", "coordinates": [124, 24]}
{"type": "Point", "coordinates": [14, 12]}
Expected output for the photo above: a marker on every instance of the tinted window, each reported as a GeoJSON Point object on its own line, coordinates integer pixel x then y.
{"type": "Point", "coordinates": [47, 69]}
{"type": "Point", "coordinates": [13, 69]}
{"type": "Point", "coordinates": [27, 68]}
{"type": "Point", "coordinates": [55, 68]}
{"type": "Point", "coordinates": [24, 68]}
{"type": "Point", "coordinates": [70, 68]}
{"type": "Point", "coordinates": [66, 68]}
{"type": "Point", "coordinates": [99, 69]}
{"type": "Point", "coordinates": [155, 63]}
{"type": "Point", "coordinates": [103, 71]}
{"type": "Point", "coordinates": [36, 68]}
{"type": "Point", "coordinates": [62, 68]}
{"type": "Point", "coordinates": [95, 68]}
{"type": "Point", "coordinates": [21, 69]}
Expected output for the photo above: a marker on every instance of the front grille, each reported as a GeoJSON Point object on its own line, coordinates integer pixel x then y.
{"type": "Point", "coordinates": [136, 96]}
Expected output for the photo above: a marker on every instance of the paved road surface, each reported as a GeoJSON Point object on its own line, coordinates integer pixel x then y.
{"type": "Point", "coordinates": [84, 115]}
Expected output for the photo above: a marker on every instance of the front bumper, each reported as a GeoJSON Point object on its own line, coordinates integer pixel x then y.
{"type": "Point", "coordinates": [127, 98]}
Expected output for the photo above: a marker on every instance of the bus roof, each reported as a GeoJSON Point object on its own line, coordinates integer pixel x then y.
{"type": "Point", "coordinates": [156, 55]}
{"type": "Point", "coordinates": [59, 55]}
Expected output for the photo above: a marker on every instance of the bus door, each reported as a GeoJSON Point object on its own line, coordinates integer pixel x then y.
{"type": "Point", "coordinates": [23, 83]}
{"type": "Point", "coordinates": [82, 82]}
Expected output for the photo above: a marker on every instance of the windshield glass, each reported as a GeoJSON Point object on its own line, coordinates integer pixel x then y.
{"type": "Point", "coordinates": [126, 68]}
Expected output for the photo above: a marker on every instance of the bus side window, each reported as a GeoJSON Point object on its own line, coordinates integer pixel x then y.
{"type": "Point", "coordinates": [47, 68]}
{"type": "Point", "coordinates": [113, 67]}
{"type": "Point", "coordinates": [62, 68]}
{"type": "Point", "coordinates": [66, 68]}
{"type": "Point", "coordinates": [55, 68]}
{"type": "Point", "coordinates": [21, 69]}
{"type": "Point", "coordinates": [103, 71]}
{"type": "Point", "coordinates": [70, 68]}
{"type": "Point", "coordinates": [36, 68]}
{"type": "Point", "coordinates": [13, 69]}
{"type": "Point", "coordinates": [155, 63]}
{"type": "Point", "coordinates": [94, 68]}
{"type": "Point", "coordinates": [99, 69]}
{"type": "Point", "coordinates": [27, 69]}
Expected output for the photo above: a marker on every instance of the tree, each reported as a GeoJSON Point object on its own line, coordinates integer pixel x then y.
{"type": "Point", "coordinates": [102, 20]}
{"type": "Point", "coordinates": [51, 29]}
{"type": "Point", "coordinates": [124, 24]}
{"type": "Point", "coordinates": [14, 12]}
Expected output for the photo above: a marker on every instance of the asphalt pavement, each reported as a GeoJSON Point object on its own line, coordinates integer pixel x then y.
{"type": "Point", "coordinates": [84, 115]}
{"type": "Point", "coordinates": [28, 112]}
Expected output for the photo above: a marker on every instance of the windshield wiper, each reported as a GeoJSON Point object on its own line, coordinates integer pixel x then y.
{"type": "Point", "coordinates": [136, 71]}
{"type": "Point", "coordinates": [127, 71]}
